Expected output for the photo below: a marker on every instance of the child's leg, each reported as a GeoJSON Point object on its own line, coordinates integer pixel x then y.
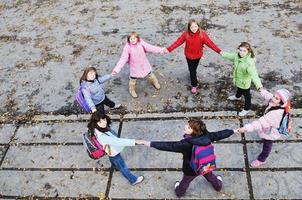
{"type": "Point", "coordinates": [247, 99]}
{"type": "Point", "coordinates": [153, 80]}
{"type": "Point", "coordinates": [239, 92]}
{"type": "Point", "coordinates": [184, 184]}
{"type": "Point", "coordinates": [193, 64]}
{"type": "Point", "coordinates": [212, 178]}
{"type": "Point", "coordinates": [132, 83]}
{"type": "Point", "coordinates": [267, 147]}
{"type": "Point", "coordinates": [120, 164]}
{"type": "Point", "coordinates": [100, 107]}
{"type": "Point", "coordinates": [108, 102]}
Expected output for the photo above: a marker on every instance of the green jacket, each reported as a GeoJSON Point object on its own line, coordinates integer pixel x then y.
{"type": "Point", "coordinates": [244, 70]}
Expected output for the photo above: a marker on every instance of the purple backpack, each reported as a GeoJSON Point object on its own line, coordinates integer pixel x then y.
{"type": "Point", "coordinates": [203, 159]}
{"type": "Point", "coordinates": [81, 100]}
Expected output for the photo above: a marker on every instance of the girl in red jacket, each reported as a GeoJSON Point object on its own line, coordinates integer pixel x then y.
{"type": "Point", "coordinates": [194, 39]}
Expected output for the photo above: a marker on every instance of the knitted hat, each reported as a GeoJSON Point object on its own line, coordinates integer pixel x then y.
{"type": "Point", "coordinates": [283, 94]}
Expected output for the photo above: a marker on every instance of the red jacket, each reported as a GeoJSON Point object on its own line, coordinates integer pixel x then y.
{"type": "Point", "coordinates": [194, 44]}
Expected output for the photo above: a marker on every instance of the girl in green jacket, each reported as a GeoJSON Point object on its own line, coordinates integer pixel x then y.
{"type": "Point", "coordinates": [243, 74]}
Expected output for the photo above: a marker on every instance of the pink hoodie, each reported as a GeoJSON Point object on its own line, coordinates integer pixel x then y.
{"type": "Point", "coordinates": [135, 55]}
{"type": "Point", "coordinates": [267, 124]}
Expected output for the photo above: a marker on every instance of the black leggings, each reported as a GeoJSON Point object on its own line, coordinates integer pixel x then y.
{"type": "Point", "coordinates": [247, 97]}
{"type": "Point", "coordinates": [107, 102]}
{"type": "Point", "coordinates": [193, 64]}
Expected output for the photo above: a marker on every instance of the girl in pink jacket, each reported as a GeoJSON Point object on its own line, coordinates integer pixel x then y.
{"type": "Point", "coordinates": [267, 124]}
{"type": "Point", "coordinates": [134, 53]}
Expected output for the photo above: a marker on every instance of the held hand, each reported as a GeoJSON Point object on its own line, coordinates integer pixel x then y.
{"type": "Point", "coordinates": [221, 53]}
{"type": "Point", "coordinates": [93, 110]}
{"type": "Point", "coordinates": [143, 142]}
{"type": "Point", "coordinates": [113, 73]}
{"type": "Point", "coordinates": [166, 51]}
{"type": "Point", "coordinates": [241, 130]}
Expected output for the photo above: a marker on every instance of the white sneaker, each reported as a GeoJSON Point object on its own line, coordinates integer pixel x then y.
{"type": "Point", "coordinates": [243, 112]}
{"type": "Point", "coordinates": [138, 180]}
{"type": "Point", "coordinates": [117, 106]}
{"type": "Point", "coordinates": [234, 98]}
{"type": "Point", "coordinates": [176, 184]}
{"type": "Point", "coordinates": [219, 178]}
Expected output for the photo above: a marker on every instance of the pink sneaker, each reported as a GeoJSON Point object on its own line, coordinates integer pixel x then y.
{"type": "Point", "coordinates": [256, 163]}
{"type": "Point", "coordinates": [194, 90]}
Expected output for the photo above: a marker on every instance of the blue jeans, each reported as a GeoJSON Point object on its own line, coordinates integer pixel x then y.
{"type": "Point", "coordinates": [118, 162]}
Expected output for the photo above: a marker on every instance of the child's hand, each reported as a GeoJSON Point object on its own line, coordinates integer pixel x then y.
{"type": "Point", "coordinates": [241, 130]}
{"type": "Point", "coordinates": [166, 51]}
{"type": "Point", "coordinates": [93, 110]}
{"type": "Point", "coordinates": [220, 52]}
{"type": "Point", "coordinates": [113, 73]}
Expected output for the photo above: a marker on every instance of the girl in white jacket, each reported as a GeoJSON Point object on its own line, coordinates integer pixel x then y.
{"type": "Point", "coordinates": [268, 124]}
{"type": "Point", "coordinates": [99, 125]}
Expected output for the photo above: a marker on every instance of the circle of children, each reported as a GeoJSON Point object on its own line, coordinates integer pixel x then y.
{"type": "Point", "coordinates": [198, 153]}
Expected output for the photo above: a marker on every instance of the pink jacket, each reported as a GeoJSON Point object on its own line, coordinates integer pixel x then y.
{"type": "Point", "coordinates": [267, 124]}
{"type": "Point", "coordinates": [136, 57]}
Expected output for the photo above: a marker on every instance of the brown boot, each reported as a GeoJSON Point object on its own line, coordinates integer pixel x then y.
{"type": "Point", "coordinates": [132, 83]}
{"type": "Point", "coordinates": [153, 80]}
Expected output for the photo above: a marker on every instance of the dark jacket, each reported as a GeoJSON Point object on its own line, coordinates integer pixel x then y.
{"type": "Point", "coordinates": [185, 145]}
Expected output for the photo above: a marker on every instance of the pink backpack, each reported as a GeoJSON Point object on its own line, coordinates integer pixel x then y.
{"type": "Point", "coordinates": [94, 149]}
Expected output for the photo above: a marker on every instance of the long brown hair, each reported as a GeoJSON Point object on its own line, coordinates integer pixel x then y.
{"type": "Point", "coordinates": [86, 71]}
{"type": "Point", "coordinates": [191, 21]}
{"type": "Point", "coordinates": [95, 118]}
{"type": "Point", "coordinates": [198, 127]}
{"type": "Point", "coordinates": [248, 47]}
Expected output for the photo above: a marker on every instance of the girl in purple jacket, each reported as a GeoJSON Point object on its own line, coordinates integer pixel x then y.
{"type": "Point", "coordinates": [267, 125]}
{"type": "Point", "coordinates": [134, 53]}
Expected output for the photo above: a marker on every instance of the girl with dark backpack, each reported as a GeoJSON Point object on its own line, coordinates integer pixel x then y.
{"type": "Point", "coordinates": [278, 105]}
{"type": "Point", "coordinates": [99, 125]}
{"type": "Point", "coordinates": [195, 134]}
{"type": "Point", "coordinates": [91, 86]}
{"type": "Point", "coordinates": [194, 38]}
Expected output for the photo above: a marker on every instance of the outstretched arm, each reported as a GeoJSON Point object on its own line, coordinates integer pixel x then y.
{"type": "Point", "coordinates": [123, 60]}
{"type": "Point", "coordinates": [151, 48]}
{"type": "Point", "coordinates": [178, 42]}
{"type": "Point", "coordinates": [178, 147]}
{"type": "Point", "coordinates": [210, 43]}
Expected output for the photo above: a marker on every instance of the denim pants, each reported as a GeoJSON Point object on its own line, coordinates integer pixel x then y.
{"type": "Point", "coordinates": [186, 180]}
{"type": "Point", "coordinates": [119, 163]}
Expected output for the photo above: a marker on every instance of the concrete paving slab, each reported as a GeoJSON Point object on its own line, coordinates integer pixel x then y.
{"type": "Point", "coordinates": [53, 132]}
{"type": "Point", "coordinates": [2, 151]}
{"type": "Point", "coordinates": [282, 155]}
{"type": "Point", "coordinates": [220, 124]}
{"type": "Point", "coordinates": [277, 185]}
{"type": "Point", "coordinates": [296, 133]}
{"type": "Point", "coordinates": [160, 185]}
{"type": "Point", "coordinates": [6, 132]}
{"type": "Point", "coordinates": [52, 183]}
{"type": "Point", "coordinates": [228, 156]}
{"type": "Point", "coordinates": [49, 156]}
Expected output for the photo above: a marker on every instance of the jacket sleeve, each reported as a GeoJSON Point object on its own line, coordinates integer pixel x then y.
{"type": "Point", "coordinates": [266, 95]}
{"type": "Point", "coordinates": [178, 147]}
{"type": "Point", "coordinates": [252, 71]}
{"type": "Point", "coordinates": [219, 135]}
{"type": "Point", "coordinates": [123, 60]}
{"type": "Point", "coordinates": [151, 48]}
{"type": "Point", "coordinates": [104, 78]}
{"type": "Point", "coordinates": [229, 56]}
{"type": "Point", "coordinates": [87, 97]}
{"type": "Point", "coordinates": [178, 42]}
{"type": "Point", "coordinates": [116, 141]}
{"type": "Point", "coordinates": [266, 121]}
{"type": "Point", "coordinates": [210, 43]}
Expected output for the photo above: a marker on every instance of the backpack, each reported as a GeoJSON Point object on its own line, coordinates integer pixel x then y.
{"type": "Point", "coordinates": [286, 121]}
{"type": "Point", "coordinates": [285, 124]}
{"type": "Point", "coordinates": [81, 100]}
{"type": "Point", "coordinates": [203, 159]}
{"type": "Point", "coordinates": [94, 149]}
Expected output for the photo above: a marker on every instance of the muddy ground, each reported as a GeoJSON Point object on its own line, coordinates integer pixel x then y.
{"type": "Point", "coordinates": [46, 44]}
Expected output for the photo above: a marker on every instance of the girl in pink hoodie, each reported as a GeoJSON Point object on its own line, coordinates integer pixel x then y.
{"type": "Point", "coordinates": [134, 53]}
{"type": "Point", "coordinates": [267, 124]}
